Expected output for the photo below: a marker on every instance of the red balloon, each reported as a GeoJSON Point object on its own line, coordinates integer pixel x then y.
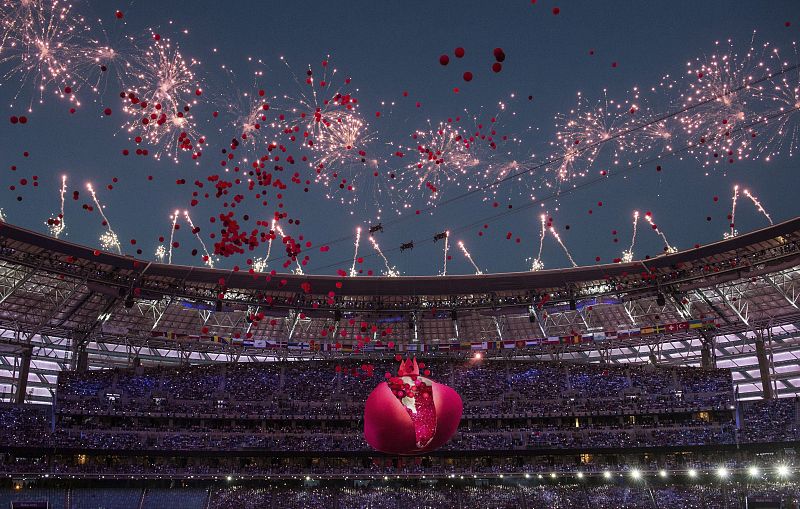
{"type": "Point", "coordinates": [459, 52]}
{"type": "Point", "coordinates": [497, 67]}
{"type": "Point", "coordinates": [556, 11]}
{"type": "Point", "coordinates": [444, 60]}
{"type": "Point", "coordinates": [499, 55]}
{"type": "Point", "coordinates": [467, 76]}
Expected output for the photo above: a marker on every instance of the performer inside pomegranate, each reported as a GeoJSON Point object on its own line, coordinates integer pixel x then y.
{"type": "Point", "coordinates": [416, 395]}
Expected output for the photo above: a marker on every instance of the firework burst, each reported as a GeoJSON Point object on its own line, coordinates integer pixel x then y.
{"type": "Point", "coordinates": [586, 130]}
{"type": "Point", "coordinates": [159, 103]}
{"type": "Point", "coordinates": [444, 156]}
{"type": "Point", "coordinates": [724, 87]}
{"type": "Point", "coordinates": [41, 41]}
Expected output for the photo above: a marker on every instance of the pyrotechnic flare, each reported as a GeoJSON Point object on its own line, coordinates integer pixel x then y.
{"type": "Point", "coordinates": [56, 225]}
{"type": "Point", "coordinates": [207, 258]}
{"type": "Point", "coordinates": [298, 268]}
{"type": "Point", "coordinates": [537, 263]}
{"type": "Point", "coordinates": [627, 255]}
{"type": "Point", "coordinates": [109, 239]}
{"type": "Point", "coordinates": [758, 205]}
{"type": "Point", "coordinates": [733, 232]}
{"type": "Point", "coordinates": [555, 234]}
{"type": "Point", "coordinates": [667, 247]}
{"type": "Point", "coordinates": [469, 257]}
{"type": "Point", "coordinates": [446, 251]}
{"type": "Point", "coordinates": [390, 271]}
{"type": "Point", "coordinates": [174, 218]}
{"type": "Point", "coordinates": [353, 272]}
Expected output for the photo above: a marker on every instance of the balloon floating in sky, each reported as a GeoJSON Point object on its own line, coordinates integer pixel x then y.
{"type": "Point", "coordinates": [410, 414]}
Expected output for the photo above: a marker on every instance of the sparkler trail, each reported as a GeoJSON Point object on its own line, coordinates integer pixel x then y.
{"type": "Point", "coordinates": [109, 239]}
{"type": "Point", "coordinates": [56, 225]}
{"type": "Point", "coordinates": [758, 205]}
{"type": "Point", "coordinates": [667, 247]}
{"type": "Point", "coordinates": [353, 272]}
{"type": "Point", "coordinates": [627, 255]}
{"type": "Point", "coordinates": [555, 234]}
{"type": "Point", "coordinates": [172, 229]}
{"type": "Point", "coordinates": [390, 270]}
{"type": "Point", "coordinates": [207, 258]}
{"type": "Point", "coordinates": [537, 263]}
{"type": "Point", "coordinates": [446, 250]}
{"type": "Point", "coordinates": [733, 231]}
{"type": "Point", "coordinates": [478, 271]}
{"type": "Point", "coordinates": [299, 268]}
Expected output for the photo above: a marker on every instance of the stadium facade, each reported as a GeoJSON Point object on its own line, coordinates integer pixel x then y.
{"type": "Point", "coordinates": [731, 304]}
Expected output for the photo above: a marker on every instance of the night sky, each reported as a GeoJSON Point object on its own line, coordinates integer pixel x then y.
{"type": "Point", "coordinates": [389, 48]}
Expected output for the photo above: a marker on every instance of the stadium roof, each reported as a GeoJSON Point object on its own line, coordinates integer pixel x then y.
{"type": "Point", "coordinates": [58, 298]}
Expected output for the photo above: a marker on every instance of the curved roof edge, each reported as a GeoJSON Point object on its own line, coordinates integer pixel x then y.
{"type": "Point", "coordinates": [404, 285]}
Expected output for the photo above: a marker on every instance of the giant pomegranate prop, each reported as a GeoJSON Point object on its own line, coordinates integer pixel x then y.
{"type": "Point", "coordinates": [410, 414]}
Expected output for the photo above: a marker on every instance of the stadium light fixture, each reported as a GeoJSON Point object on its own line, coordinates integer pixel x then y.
{"type": "Point", "coordinates": [478, 356]}
{"type": "Point", "coordinates": [636, 474]}
{"type": "Point", "coordinates": [662, 473]}
{"type": "Point", "coordinates": [753, 471]}
{"type": "Point", "coordinates": [580, 475]}
{"type": "Point", "coordinates": [722, 472]}
{"type": "Point", "coordinates": [553, 475]}
{"type": "Point", "coordinates": [527, 476]}
{"type": "Point", "coordinates": [692, 473]}
{"type": "Point", "coordinates": [606, 475]}
{"type": "Point", "coordinates": [229, 478]}
{"type": "Point", "coordinates": [783, 470]}
{"type": "Point", "coordinates": [540, 476]}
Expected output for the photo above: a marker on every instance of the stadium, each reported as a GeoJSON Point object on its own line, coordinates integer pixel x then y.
{"type": "Point", "coordinates": [387, 255]}
{"type": "Point", "coordinates": [649, 384]}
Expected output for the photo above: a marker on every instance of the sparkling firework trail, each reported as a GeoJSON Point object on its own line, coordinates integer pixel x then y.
{"type": "Point", "coordinates": [174, 218]}
{"type": "Point", "coordinates": [627, 255]}
{"type": "Point", "coordinates": [667, 247]}
{"type": "Point", "coordinates": [56, 225]}
{"type": "Point", "coordinates": [390, 271]}
{"type": "Point", "coordinates": [735, 199]}
{"type": "Point", "coordinates": [537, 263]}
{"type": "Point", "coordinates": [478, 271]}
{"type": "Point", "coordinates": [758, 205]}
{"type": "Point", "coordinates": [555, 234]}
{"type": "Point", "coordinates": [353, 272]}
{"type": "Point", "coordinates": [299, 268]}
{"type": "Point", "coordinates": [446, 251]}
{"type": "Point", "coordinates": [207, 258]}
{"type": "Point", "coordinates": [109, 239]}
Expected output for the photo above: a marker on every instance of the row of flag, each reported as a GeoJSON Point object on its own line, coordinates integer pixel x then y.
{"type": "Point", "coordinates": [348, 345]}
